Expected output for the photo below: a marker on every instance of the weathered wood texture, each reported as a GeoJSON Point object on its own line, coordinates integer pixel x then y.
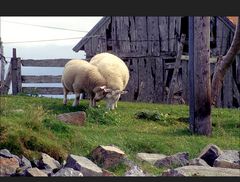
{"type": "Point", "coordinates": [42, 79]}
{"type": "Point", "coordinates": [45, 62]}
{"type": "Point", "coordinates": [202, 92]}
{"type": "Point", "coordinates": [2, 63]}
{"type": "Point", "coordinates": [140, 40]}
{"type": "Point", "coordinates": [43, 90]}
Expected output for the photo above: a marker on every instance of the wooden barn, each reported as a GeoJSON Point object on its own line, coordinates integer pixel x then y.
{"type": "Point", "coordinates": [149, 46]}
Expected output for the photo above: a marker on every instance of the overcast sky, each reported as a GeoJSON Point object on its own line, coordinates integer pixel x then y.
{"type": "Point", "coordinates": [13, 31]}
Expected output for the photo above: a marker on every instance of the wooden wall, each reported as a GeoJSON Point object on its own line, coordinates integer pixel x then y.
{"type": "Point", "coordinates": [148, 45]}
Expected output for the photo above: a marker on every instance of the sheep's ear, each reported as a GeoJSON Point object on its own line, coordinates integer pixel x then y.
{"type": "Point", "coordinates": [107, 90]}
{"type": "Point", "coordinates": [103, 87]}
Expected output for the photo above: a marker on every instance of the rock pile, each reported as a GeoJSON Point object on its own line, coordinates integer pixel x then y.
{"type": "Point", "coordinates": [212, 161]}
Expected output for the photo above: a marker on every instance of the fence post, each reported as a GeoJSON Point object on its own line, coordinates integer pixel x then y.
{"type": "Point", "coordinates": [14, 63]}
{"type": "Point", "coordinates": [2, 63]}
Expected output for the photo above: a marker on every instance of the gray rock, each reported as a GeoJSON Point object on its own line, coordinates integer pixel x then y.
{"type": "Point", "coordinates": [35, 172]}
{"type": "Point", "coordinates": [67, 172]}
{"type": "Point", "coordinates": [25, 162]}
{"type": "Point", "coordinates": [198, 162]}
{"type": "Point", "coordinates": [135, 171]}
{"type": "Point", "coordinates": [5, 153]}
{"type": "Point", "coordinates": [176, 160]}
{"type": "Point", "coordinates": [210, 153]}
{"type": "Point", "coordinates": [228, 159]}
{"type": "Point", "coordinates": [84, 165]}
{"type": "Point", "coordinates": [149, 157]}
{"type": "Point", "coordinates": [76, 118]}
{"type": "Point", "coordinates": [47, 162]}
{"type": "Point", "coordinates": [8, 166]}
{"type": "Point", "coordinates": [107, 156]}
{"type": "Point", "coordinates": [201, 171]}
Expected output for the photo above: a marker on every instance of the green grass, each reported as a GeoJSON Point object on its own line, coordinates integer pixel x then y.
{"type": "Point", "coordinates": [29, 126]}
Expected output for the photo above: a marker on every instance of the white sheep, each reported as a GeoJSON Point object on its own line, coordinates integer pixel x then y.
{"type": "Point", "coordinates": [80, 76]}
{"type": "Point", "coordinates": [116, 73]}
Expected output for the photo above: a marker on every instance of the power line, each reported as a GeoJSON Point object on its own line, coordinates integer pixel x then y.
{"type": "Point", "coordinates": [44, 26]}
{"type": "Point", "coordinates": [47, 40]}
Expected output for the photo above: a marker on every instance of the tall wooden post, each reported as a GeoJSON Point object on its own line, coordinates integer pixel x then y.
{"type": "Point", "coordinates": [199, 68]}
{"type": "Point", "coordinates": [14, 72]}
{"type": "Point", "coordinates": [2, 63]}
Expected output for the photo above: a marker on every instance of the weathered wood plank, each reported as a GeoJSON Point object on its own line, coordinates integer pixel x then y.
{"type": "Point", "coordinates": [132, 33]}
{"type": "Point", "coordinates": [14, 73]}
{"type": "Point", "coordinates": [2, 63]}
{"type": "Point", "coordinates": [176, 70]}
{"type": "Point", "coordinates": [153, 36]}
{"type": "Point", "coordinates": [142, 74]}
{"type": "Point", "coordinates": [43, 90]}
{"type": "Point", "coordinates": [172, 36]}
{"type": "Point", "coordinates": [42, 79]}
{"type": "Point", "coordinates": [227, 89]}
{"type": "Point", "coordinates": [163, 30]}
{"type": "Point", "coordinates": [238, 69]}
{"type": "Point", "coordinates": [159, 77]}
{"type": "Point", "coordinates": [141, 35]}
{"type": "Point", "coordinates": [211, 59]}
{"type": "Point", "coordinates": [6, 83]}
{"type": "Point", "coordinates": [45, 62]}
{"type": "Point", "coordinates": [236, 92]}
{"type": "Point", "coordinates": [19, 72]}
{"type": "Point", "coordinates": [185, 84]}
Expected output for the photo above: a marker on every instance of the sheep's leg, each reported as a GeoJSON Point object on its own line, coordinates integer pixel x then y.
{"type": "Point", "coordinates": [76, 101]}
{"type": "Point", "coordinates": [116, 104]}
{"type": "Point", "coordinates": [92, 101]}
{"type": "Point", "coordinates": [65, 92]}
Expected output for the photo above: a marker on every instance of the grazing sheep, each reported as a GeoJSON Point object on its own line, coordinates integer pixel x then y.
{"type": "Point", "coordinates": [80, 76]}
{"type": "Point", "coordinates": [116, 73]}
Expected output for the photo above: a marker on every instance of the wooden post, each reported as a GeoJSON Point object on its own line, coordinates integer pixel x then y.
{"type": "Point", "coordinates": [2, 63]}
{"type": "Point", "coordinates": [14, 73]}
{"type": "Point", "coordinates": [200, 87]}
{"type": "Point", "coordinates": [176, 69]}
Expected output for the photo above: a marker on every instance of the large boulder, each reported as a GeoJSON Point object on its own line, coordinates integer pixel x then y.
{"type": "Point", "coordinates": [201, 171]}
{"type": "Point", "coordinates": [76, 118]}
{"type": "Point", "coordinates": [210, 153]}
{"type": "Point", "coordinates": [150, 157]}
{"type": "Point", "coordinates": [107, 156]}
{"type": "Point", "coordinates": [66, 171]}
{"type": "Point", "coordinates": [8, 166]}
{"type": "Point", "coordinates": [47, 162]}
{"type": "Point", "coordinates": [84, 165]}
{"type": "Point", "coordinates": [176, 160]}
{"type": "Point", "coordinates": [228, 159]}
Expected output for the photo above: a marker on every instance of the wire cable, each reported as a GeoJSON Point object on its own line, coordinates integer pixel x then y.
{"type": "Point", "coordinates": [44, 26]}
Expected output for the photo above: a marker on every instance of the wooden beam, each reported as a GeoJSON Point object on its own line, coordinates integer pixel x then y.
{"type": "Point", "coordinates": [14, 73]}
{"type": "Point", "coordinates": [43, 90]}
{"type": "Point", "coordinates": [202, 87]}
{"type": "Point", "coordinates": [45, 62]}
{"type": "Point", "coordinates": [42, 79]}
{"type": "Point", "coordinates": [176, 70]}
{"type": "Point", "coordinates": [211, 59]}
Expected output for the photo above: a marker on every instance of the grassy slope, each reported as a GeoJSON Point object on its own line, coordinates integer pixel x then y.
{"type": "Point", "coordinates": [28, 126]}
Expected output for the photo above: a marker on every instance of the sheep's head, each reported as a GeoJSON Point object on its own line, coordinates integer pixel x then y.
{"type": "Point", "coordinates": [100, 93]}
{"type": "Point", "coordinates": [112, 97]}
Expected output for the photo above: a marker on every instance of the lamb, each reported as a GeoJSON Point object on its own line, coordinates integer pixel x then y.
{"type": "Point", "coordinates": [80, 76]}
{"type": "Point", "coordinates": [116, 73]}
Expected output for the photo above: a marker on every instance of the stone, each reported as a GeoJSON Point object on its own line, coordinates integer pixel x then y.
{"type": "Point", "coordinates": [210, 153]}
{"type": "Point", "coordinates": [5, 153]}
{"type": "Point", "coordinates": [176, 160]}
{"type": "Point", "coordinates": [150, 157]}
{"type": "Point", "coordinates": [76, 118]}
{"type": "Point", "coordinates": [228, 159]}
{"type": "Point", "coordinates": [25, 162]}
{"type": "Point", "coordinates": [135, 171]}
{"type": "Point", "coordinates": [33, 172]}
{"type": "Point", "coordinates": [47, 162]}
{"type": "Point", "coordinates": [84, 165]}
{"type": "Point", "coordinates": [67, 172]}
{"type": "Point", "coordinates": [8, 166]}
{"type": "Point", "coordinates": [201, 171]}
{"type": "Point", "coordinates": [107, 156]}
{"type": "Point", "coordinates": [198, 162]}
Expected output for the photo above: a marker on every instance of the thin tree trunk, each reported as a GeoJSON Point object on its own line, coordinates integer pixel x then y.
{"type": "Point", "coordinates": [223, 63]}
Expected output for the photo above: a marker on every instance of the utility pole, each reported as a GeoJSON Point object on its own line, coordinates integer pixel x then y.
{"type": "Point", "coordinates": [199, 75]}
